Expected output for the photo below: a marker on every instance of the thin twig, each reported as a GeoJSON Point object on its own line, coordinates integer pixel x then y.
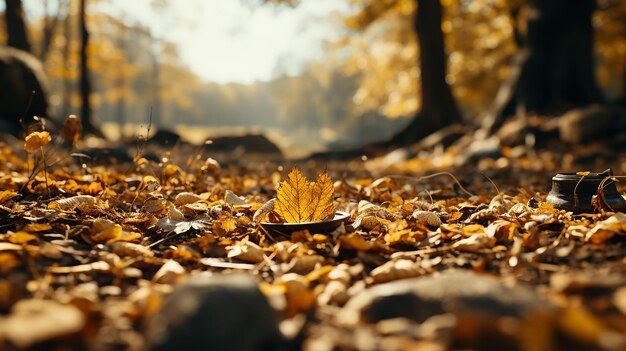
{"type": "Point", "coordinates": [422, 178]}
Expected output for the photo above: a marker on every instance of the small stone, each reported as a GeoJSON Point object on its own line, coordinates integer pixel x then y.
{"type": "Point", "coordinates": [218, 312]}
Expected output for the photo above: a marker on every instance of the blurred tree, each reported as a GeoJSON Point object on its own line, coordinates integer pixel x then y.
{"type": "Point", "coordinates": [401, 56]}
{"type": "Point", "coordinates": [85, 83]}
{"type": "Point", "coordinates": [16, 26]}
{"type": "Point", "coordinates": [610, 45]}
{"type": "Point", "coordinates": [51, 22]}
{"type": "Point", "coordinates": [555, 62]}
{"type": "Point", "coordinates": [439, 108]}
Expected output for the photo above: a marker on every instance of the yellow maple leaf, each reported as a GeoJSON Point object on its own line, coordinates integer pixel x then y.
{"type": "Point", "coordinates": [323, 190]}
{"type": "Point", "coordinates": [299, 201]}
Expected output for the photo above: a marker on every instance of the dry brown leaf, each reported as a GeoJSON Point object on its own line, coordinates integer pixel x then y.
{"type": "Point", "coordinates": [169, 272]}
{"type": "Point", "coordinates": [394, 270]}
{"type": "Point", "coordinates": [619, 300]}
{"type": "Point", "coordinates": [125, 249]}
{"type": "Point", "coordinates": [298, 294]}
{"type": "Point", "coordinates": [71, 203]}
{"type": "Point", "coordinates": [263, 211]}
{"type": "Point", "coordinates": [224, 225]}
{"type": "Point", "coordinates": [34, 321]}
{"type": "Point", "coordinates": [427, 218]}
{"type": "Point", "coordinates": [175, 214]}
{"type": "Point", "coordinates": [155, 204]}
{"type": "Point", "coordinates": [7, 195]}
{"type": "Point", "coordinates": [355, 241]}
{"type": "Point", "coordinates": [185, 198]}
{"type": "Point", "coordinates": [299, 201]}
{"type": "Point", "coordinates": [606, 229]}
{"type": "Point", "coordinates": [234, 200]}
{"type": "Point", "coordinates": [502, 230]}
{"type": "Point", "coordinates": [21, 238]}
{"type": "Point", "coordinates": [148, 184]}
{"type": "Point", "coordinates": [474, 243]}
{"type": "Point", "coordinates": [246, 251]}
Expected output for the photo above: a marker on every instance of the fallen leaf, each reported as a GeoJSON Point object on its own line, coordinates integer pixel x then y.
{"type": "Point", "coordinates": [72, 203]}
{"type": "Point", "coordinates": [298, 294]}
{"type": "Point", "coordinates": [394, 270]}
{"type": "Point", "coordinates": [427, 218]}
{"type": "Point", "coordinates": [34, 321]}
{"type": "Point", "coordinates": [186, 198]}
{"type": "Point", "coordinates": [606, 229]}
{"type": "Point", "coordinates": [168, 273]}
{"type": "Point", "coordinates": [7, 195]}
{"type": "Point", "coordinates": [234, 200]}
{"type": "Point", "coordinates": [21, 238]}
{"type": "Point", "coordinates": [299, 201]}
{"type": "Point", "coordinates": [246, 251]}
{"type": "Point", "coordinates": [475, 243]}
{"type": "Point", "coordinates": [263, 211]}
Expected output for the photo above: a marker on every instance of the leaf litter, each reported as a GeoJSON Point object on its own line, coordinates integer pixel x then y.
{"type": "Point", "coordinates": [86, 241]}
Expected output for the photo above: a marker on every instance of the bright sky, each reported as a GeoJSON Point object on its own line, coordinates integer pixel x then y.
{"type": "Point", "coordinates": [236, 40]}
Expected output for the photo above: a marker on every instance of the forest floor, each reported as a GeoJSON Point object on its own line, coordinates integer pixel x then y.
{"type": "Point", "coordinates": [91, 252]}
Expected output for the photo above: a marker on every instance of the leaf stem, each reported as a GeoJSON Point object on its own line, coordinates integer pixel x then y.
{"type": "Point", "coordinates": [45, 170]}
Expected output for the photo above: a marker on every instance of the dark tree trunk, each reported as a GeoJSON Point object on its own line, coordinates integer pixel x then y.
{"type": "Point", "coordinates": [50, 25]}
{"type": "Point", "coordinates": [555, 64]}
{"type": "Point", "coordinates": [85, 84]}
{"type": "Point", "coordinates": [156, 110]}
{"type": "Point", "coordinates": [16, 26]}
{"type": "Point", "coordinates": [67, 84]}
{"type": "Point", "coordinates": [439, 108]}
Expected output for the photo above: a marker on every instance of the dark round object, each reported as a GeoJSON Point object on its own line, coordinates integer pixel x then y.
{"type": "Point", "coordinates": [563, 185]}
{"type": "Point", "coordinates": [314, 227]}
{"type": "Point", "coordinates": [217, 312]}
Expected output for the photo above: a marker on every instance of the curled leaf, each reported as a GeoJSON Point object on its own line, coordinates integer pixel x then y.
{"type": "Point", "coordinates": [185, 198]}
{"type": "Point", "coordinates": [246, 251]}
{"type": "Point", "coordinates": [72, 203]}
{"type": "Point", "coordinates": [263, 211]}
{"type": "Point", "coordinates": [234, 200]}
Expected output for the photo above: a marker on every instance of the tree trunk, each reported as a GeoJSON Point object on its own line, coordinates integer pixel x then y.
{"type": "Point", "coordinates": [156, 110]}
{"type": "Point", "coordinates": [85, 84]}
{"type": "Point", "coordinates": [67, 84]}
{"type": "Point", "coordinates": [439, 108]}
{"type": "Point", "coordinates": [556, 69]}
{"type": "Point", "coordinates": [16, 26]}
{"type": "Point", "coordinates": [50, 25]}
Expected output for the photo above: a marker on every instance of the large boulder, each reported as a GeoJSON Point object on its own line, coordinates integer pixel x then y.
{"type": "Point", "coordinates": [217, 312]}
{"type": "Point", "coordinates": [21, 74]}
{"type": "Point", "coordinates": [457, 292]}
{"type": "Point", "coordinates": [245, 144]}
{"type": "Point", "coordinates": [165, 137]}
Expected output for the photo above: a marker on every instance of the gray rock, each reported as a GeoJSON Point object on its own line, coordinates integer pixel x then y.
{"type": "Point", "coordinates": [20, 74]}
{"type": "Point", "coordinates": [248, 143]}
{"type": "Point", "coordinates": [455, 291]}
{"type": "Point", "coordinates": [219, 312]}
